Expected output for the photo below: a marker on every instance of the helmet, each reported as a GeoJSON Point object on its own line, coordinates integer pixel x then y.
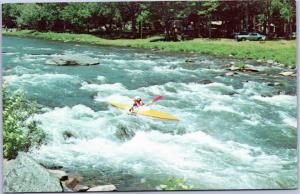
{"type": "Point", "coordinates": [137, 97]}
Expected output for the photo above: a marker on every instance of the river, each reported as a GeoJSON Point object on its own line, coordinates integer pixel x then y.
{"type": "Point", "coordinates": [238, 132]}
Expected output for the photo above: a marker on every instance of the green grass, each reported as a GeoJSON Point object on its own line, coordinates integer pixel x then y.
{"type": "Point", "coordinates": [282, 51]}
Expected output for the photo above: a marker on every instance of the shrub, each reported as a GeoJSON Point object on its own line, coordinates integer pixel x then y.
{"type": "Point", "coordinates": [20, 130]}
{"type": "Point", "coordinates": [174, 183]}
{"type": "Point", "coordinates": [240, 65]}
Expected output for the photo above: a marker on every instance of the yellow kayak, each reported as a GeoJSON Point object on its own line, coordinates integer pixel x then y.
{"type": "Point", "coordinates": [149, 113]}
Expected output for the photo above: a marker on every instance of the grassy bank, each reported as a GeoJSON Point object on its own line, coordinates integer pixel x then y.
{"type": "Point", "coordinates": [283, 52]}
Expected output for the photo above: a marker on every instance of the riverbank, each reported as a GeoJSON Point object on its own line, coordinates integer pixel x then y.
{"type": "Point", "coordinates": [283, 52]}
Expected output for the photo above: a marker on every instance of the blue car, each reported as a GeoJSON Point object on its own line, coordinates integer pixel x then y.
{"type": "Point", "coordinates": [250, 36]}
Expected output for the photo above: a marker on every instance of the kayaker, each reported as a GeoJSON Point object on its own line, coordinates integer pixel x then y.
{"type": "Point", "coordinates": [137, 102]}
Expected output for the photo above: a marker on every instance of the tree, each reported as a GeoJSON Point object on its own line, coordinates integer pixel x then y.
{"type": "Point", "coordinates": [206, 9]}
{"type": "Point", "coordinates": [10, 12]}
{"type": "Point", "coordinates": [77, 15]}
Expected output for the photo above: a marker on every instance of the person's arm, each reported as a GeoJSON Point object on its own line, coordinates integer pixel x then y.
{"type": "Point", "coordinates": [131, 109]}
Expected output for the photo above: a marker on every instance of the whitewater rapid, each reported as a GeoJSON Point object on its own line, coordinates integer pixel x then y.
{"type": "Point", "coordinates": [234, 133]}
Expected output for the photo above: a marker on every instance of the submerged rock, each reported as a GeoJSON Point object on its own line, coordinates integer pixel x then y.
{"type": "Point", "coordinates": [73, 60]}
{"type": "Point", "coordinates": [190, 60]}
{"type": "Point", "coordinates": [103, 188]}
{"type": "Point", "coordinates": [25, 175]}
{"type": "Point", "coordinates": [230, 73]}
{"type": "Point", "coordinates": [123, 133]}
{"type": "Point", "coordinates": [68, 134]}
{"type": "Point", "coordinates": [206, 81]}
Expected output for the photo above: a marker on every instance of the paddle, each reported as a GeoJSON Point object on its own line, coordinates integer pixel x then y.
{"type": "Point", "coordinates": [154, 100]}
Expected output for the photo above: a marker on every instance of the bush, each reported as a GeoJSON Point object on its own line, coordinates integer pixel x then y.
{"type": "Point", "coordinates": [240, 65]}
{"type": "Point", "coordinates": [20, 130]}
{"type": "Point", "coordinates": [174, 183]}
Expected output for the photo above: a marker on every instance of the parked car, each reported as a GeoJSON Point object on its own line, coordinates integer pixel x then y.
{"type": "Point", "coordinates": [250, 36]}
{"type": "Point", "coordinates": [234, 35]}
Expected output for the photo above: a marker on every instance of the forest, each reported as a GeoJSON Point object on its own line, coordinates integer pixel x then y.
{"type": "Point", "coordinates": [209, 19]}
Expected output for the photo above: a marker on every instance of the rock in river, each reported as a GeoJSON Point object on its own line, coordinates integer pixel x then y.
{"type": "Point", "coordinates": [73, 60]}
{"type": "Point", "coordinates": [60, 174]}
{"type": "Point", "coordinates": [206, 81]}
{"type": "Point", "coordinates": [25, 175]}
{"type": "Point", "coordinates": [103, 188]}
{"type": "Point", "coordinates": [288, 73]}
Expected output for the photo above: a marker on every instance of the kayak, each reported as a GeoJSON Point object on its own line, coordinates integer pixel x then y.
{"type": "Point", "coordinates": [146, 112]}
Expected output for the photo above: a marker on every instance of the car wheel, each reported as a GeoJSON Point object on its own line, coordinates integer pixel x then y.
{"type": "Point", "coordinates": [243, 39]}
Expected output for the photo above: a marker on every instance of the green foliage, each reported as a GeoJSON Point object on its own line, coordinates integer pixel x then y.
{"type": "Point", "coordinates": [174, 183]}
{"type": "Point", "coordinates": [20, 131]}
{"type": "Point", "coordinates": [207, 7]}
{"type": "Point", "coordinates": [118, 16]}
{"type": "Point", "coordinates": [240, 65]}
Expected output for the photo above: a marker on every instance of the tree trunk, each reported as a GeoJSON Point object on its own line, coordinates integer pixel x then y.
{"type": "Point", "coordinates": [247, 18]}
{"type": "Point", "coordinates": [209, 27]}
{"type": "Point", "coordinates": [133, 24]}
{"type": "Point", "coordinates": [254, 23]}
{"type": "Point", "coordinates": [141, 29]}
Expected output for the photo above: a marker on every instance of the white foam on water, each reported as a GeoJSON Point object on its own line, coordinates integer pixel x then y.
{"type": "Point", "coordinates": [218, 107]}
{"type": "Point", "coordinates": [80, 120]}
{"type": "Point", "coordinates": [10, 53]}
{"type": "Point", "coordinates": [252, 88]}
{"type": "Point", "coordinates": [16, 60]}
{"type": "Point", "coordinates": [278, 100]}
{"type": "Point", "coordinates": [102, 79]}
{"type": "Point", "coordinates": [39, 79]}
{"type": "Point", "coordinates": [288, 120]}
{"type": "Point", "coordinates": [113, 88]}
{"type": "Point", "coordinates": [187, 155]}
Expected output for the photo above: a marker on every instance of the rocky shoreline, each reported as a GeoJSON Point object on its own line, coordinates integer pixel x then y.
{"type": "Point", "coordinates": [24, 174]}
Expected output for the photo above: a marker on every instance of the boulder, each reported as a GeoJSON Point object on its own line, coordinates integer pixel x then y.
{"type": "Point", "coordinates": [103, 188]}
{"type": "Point", "coordinates": [281, 65]}
{"type": "Point", "coordinates": [270, 61]}
{"type": "Point", "coordinates": [250, 69]}
{"type": "Point", "coordinates": [230, 73]}
{"type": "Point", "coordinates": [25, 175]}
{"type": "Point", "coordinates": [80, 188]}
{"type": "Point", "coordinates": [206, 81]}
{"type": "Point", "coordinates": [73, 60]}
{"type": "Point", "coordinates": [234, 68]}
{"type": "Point", "coordinates": [60, 174]}
{"type": "Point", "coordinates": [288, 73]}
{"type": "Point", "coordinates": [65, 188]}
{"type": "Point", "coordinates": [73, 182]}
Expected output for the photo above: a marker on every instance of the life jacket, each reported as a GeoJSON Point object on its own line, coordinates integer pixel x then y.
{"type": "Point", "coordinates": [138, 102]}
